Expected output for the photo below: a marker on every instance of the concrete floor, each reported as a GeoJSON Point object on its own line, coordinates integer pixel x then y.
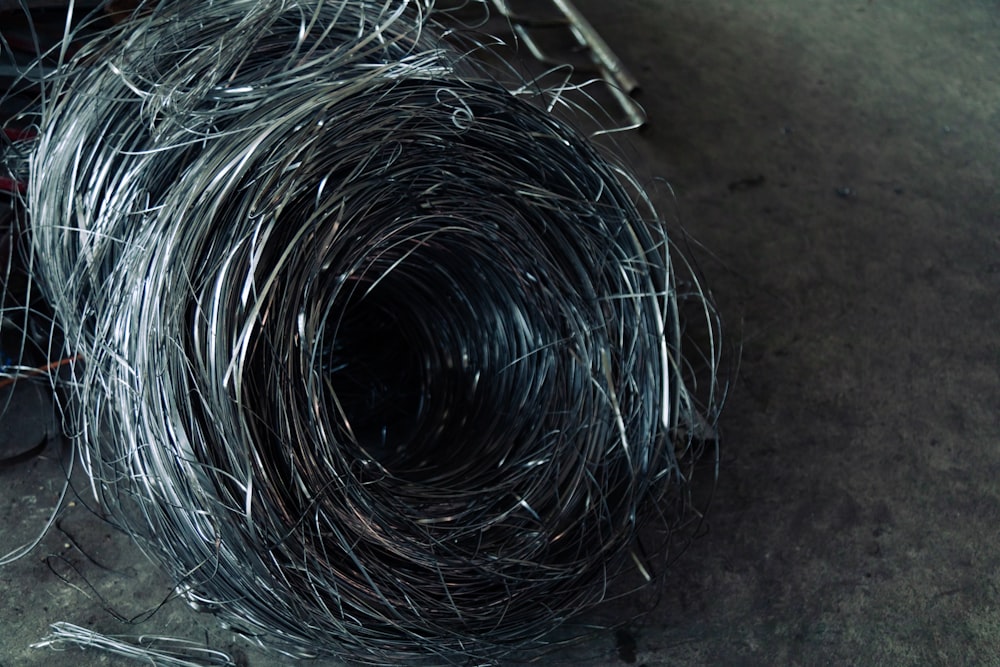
{"type": "Point", "coordinates": [838, 160]}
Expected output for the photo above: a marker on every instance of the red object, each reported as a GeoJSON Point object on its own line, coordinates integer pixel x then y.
{"type": "Point", "coordinates": [12, 185]}
{"type": "Point", "coordinates": [18, 134]}
{"type": "Point", "coordinates": [8, 184]}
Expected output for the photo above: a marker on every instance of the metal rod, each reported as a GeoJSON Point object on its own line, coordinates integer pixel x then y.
{"type": "Point", "coordinates": [601, 52]}
{"type": "Point", "coordinates": [606, 63]}
{"type": "Point", "coordinates": [527, 21]}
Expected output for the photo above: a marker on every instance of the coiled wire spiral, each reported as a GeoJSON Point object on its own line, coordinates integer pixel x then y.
{"type": "Point", "coordinates": [380, 360]}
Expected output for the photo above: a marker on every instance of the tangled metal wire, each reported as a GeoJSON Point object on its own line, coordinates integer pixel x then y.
{"type": "Point", "coordinates": [380, 360]}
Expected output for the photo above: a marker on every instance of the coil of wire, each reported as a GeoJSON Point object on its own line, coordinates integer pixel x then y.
{"type": "Point", "coordinates": [380, 360]}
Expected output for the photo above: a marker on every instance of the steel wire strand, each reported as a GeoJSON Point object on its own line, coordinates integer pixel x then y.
{"type": "Point", "coordinates": [382, 361]}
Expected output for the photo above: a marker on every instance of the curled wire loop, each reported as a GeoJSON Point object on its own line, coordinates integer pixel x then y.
{"type": "Point", "coordinates": [381, 360]}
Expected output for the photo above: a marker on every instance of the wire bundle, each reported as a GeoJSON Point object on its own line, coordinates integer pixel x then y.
{"type": "Point", "coordinates": [380, 359]}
